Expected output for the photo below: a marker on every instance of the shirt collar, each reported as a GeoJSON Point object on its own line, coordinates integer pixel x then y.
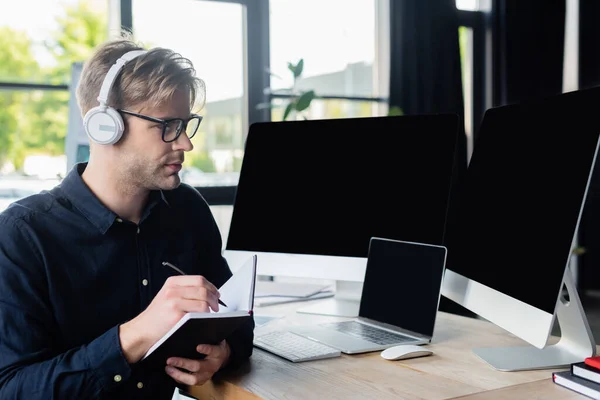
{"type": "Point", "coordinates": [82, 198]}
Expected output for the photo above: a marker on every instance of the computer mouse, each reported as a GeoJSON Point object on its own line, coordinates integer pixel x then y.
{"type": "Point", "coordinates": [404, 351]}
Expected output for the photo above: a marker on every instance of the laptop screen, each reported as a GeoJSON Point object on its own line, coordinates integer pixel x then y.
{"type": "Point", "coordinates": [402, 284]}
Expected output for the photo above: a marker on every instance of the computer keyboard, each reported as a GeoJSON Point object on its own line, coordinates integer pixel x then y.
{"type": "Point", "coordinates": [294, 348]}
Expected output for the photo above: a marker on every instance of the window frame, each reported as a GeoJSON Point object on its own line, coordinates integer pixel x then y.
{"type": "Point", "coordinates": [256, 78]}
{"type": "Point", "coordinates": [256, 57]}
{"type": "Point", "coordinates": [478, 22]}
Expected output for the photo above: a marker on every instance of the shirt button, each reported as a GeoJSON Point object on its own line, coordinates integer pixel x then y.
{"type": "Point", "coordinates": [119, 220]}
{"type": "Point", "coordinates": [140, 385]}
{"type": "Point", "coordinates": [117, 378]}
{"type": "Point", "coordinates": [145, 282]}
{"type": "Point", "coordinates": [138, 230]}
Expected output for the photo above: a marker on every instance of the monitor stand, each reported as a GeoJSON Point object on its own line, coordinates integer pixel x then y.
{"type": "Point", "coordinates": [345, 303]}
{"type": "Point", "coordinates": [575, 344]}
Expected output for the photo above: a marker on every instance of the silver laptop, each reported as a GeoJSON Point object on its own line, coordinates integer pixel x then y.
{"type": "Point", "coordinates": [399, 302]}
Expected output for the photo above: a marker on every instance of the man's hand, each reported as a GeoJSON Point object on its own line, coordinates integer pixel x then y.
{"type": "Point", "coordinates": [200, 371]}
{"type": "Point", "coordinates": [178, 296]}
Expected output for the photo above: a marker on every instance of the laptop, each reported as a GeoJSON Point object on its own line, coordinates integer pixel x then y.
{"type": "Point", "coordinates": [399, 302]}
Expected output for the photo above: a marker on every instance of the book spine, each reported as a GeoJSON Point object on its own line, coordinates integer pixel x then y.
{"type": "Point", "coordinates": [574, 386]}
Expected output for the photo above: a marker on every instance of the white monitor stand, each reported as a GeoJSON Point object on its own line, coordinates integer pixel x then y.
{"type": "Point", "coordinates": [576, 341]}
{"type": "Point", "coordinates": [347, 272]}
{"type": "Point", "coordinates": [345, 303]}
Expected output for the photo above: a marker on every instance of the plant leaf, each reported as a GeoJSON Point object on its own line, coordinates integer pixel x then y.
{"type": "Point", "coordinates": [292, 68]}
{"type": "Point", "coordinates": [304, 101]}
{"type": "Point", "coordinates": [287, 111]}
{"type": "Point", "coordinates": [299, 68]}
{"type": "Point", "coordinates": [395, 111]}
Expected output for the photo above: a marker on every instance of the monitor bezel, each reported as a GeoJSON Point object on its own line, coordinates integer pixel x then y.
{"type": "Point", "coordinates": [523, 320]}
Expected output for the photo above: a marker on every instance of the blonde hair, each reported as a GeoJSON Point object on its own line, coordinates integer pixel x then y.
{"type": "Point", "coordinates": [150, 79]}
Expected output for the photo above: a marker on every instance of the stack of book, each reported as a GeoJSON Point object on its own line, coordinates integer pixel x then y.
{"type": "Point", "coordinates": [583, 377]}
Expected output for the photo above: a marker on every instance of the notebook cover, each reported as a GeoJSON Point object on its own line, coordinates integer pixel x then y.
{"type": "Point", "coordinates": [577, 384]}
{"type": "Point", "coordinates": [195, 331]}
{"type": "Point", "coordinates": [584, 371]}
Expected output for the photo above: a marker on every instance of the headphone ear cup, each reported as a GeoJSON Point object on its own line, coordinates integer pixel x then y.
{"type": "Point", "coordinates": [103, 125]}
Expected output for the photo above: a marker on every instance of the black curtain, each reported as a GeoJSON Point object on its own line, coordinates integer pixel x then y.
{"type": "Point", "coordinates": [589, 43]}
{"type": "Point", "coordinates": [589, 76]}
{"type": "Point", "coordinates": [528, 47]}
{"type": "Point", "coordinates": [425, 76]}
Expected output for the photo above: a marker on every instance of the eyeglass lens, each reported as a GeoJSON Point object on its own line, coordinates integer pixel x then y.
{"type": "Point", "coordinates": [174, 127]}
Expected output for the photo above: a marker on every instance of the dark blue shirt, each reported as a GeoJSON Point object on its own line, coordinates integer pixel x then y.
{"type": "Point", "coordinates": [71, 271]}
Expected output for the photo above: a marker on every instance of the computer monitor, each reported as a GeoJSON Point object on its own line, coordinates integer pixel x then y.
{"type": "Point", "coordinates": [312, 193]}
{"type": "Point", "coordinates": [519, 211]}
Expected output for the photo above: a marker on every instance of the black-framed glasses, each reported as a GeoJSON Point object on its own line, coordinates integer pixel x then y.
{"type": "Point", "coordinates": [172, 128]}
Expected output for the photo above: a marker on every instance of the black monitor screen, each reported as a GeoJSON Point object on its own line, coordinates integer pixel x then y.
{"type": "Point", "coordinates": [523, 194]}
{"type": "Point", "coordinates": [402, 284]}
{"type": "Point", "coordinates": [325, 187]}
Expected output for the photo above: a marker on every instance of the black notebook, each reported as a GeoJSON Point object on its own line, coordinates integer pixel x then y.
{"type": "Point", "coordinates": [209, 328]}
{"type": "Point", "coordinates": [585, 371]}
{"type": "Point", "coordinates": [577, 384]}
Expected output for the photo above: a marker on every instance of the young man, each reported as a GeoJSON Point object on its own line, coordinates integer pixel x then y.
{"type": "Point", "coordinates": [83, 289]}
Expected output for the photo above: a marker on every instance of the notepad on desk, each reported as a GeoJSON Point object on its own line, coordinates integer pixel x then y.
{"type": "Point", "coordinates": [212, 327]}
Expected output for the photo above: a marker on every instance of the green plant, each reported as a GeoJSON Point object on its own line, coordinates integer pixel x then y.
{"type": "Point", "coordinates": [298, 101]}
{"type": "Point", "coordinates": [395, 110]}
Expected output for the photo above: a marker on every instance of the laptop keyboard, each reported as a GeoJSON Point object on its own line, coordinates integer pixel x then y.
{"type": "Point", "coordinates": [369, 333]}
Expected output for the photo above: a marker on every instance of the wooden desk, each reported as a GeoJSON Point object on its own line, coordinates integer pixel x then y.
{"type": "Point", "coordinates": [453, 371]}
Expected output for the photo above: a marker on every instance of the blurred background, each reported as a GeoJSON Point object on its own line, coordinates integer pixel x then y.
{"type": "Point", "coordinates": [270, 60]}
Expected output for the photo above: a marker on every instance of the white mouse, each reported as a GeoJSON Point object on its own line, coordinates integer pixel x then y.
{"type": "Point", "coordinates": [404, 351]}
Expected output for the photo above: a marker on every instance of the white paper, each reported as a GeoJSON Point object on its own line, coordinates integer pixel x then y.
{"type": "Point", "coordinates": [238, 291]}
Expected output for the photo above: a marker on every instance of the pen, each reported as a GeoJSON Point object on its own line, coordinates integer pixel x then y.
{"type": "Point", "coordinates": [168, 264]}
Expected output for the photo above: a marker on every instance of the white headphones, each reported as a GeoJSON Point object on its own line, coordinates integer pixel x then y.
{"type": "Point", "coordinates": [103, 124]}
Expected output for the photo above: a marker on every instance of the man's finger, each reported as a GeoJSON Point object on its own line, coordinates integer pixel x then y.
{"type": "Point", "coordinates": [185, 363]}
{"type": "Point", "coordinates": [187, 379]}
{"type": "Point", "coordinates": [202, 294]}
{"type": "Point", "coordinates": [207, 349]}
{"type": "Point", "coordinates": [194, 305]}
{"type": "Point", "coordinates": [193, 280]}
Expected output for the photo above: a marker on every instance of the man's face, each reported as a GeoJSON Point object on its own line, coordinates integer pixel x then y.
{"type": "Point", "coordinates": [147, 161]}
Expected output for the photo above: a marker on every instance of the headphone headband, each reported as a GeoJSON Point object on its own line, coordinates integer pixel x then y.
{"type": "Point", "coordinates": [113, 72]}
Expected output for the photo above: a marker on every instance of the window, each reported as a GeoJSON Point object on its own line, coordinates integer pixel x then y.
{"type": "Point", "coordinates": [474, 5]}
{"type": "Point", "coordinates": [38, 49]}
{"type": "Point", "coordinates": [465, 37]}
{"type": "Point", "coordinates": [472, 39]}
{"type": "Point", "coordinates": [470, 5]}
{"type": "Point", "coordinates": [337, 45]}
{"type": "Point", "coordinates": [211, 35]}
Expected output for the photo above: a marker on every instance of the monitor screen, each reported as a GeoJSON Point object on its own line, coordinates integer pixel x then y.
{"type": "Point", "coordinates": [402, 284]}
{"type": "Point", "coordinates": [523, 195]}
{"type": "Point", "coordinates": [325, 187]}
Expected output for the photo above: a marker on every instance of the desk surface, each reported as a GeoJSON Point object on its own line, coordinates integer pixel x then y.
{"type": "Point", "coordinates": [453, 371]}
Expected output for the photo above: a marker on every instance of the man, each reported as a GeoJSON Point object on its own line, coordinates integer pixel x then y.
{"type": "Point", "coordinates": [83, 289]}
